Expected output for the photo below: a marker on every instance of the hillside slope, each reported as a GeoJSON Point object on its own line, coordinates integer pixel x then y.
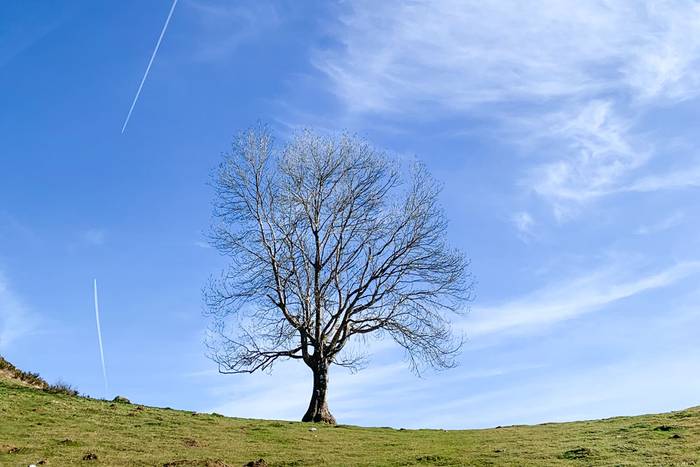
{"type": "Point", "coordinates": [10, 373]}
{"type": "Point", "coordinates": [62, 430]}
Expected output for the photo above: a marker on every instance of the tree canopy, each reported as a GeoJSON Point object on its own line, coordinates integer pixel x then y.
{"type": "Point", "coordinates": [329, 239]}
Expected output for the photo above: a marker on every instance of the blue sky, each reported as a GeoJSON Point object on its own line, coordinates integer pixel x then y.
{"type": "Point", "coordinates": [566, 137]}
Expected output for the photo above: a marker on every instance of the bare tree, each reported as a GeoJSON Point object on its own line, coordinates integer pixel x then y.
{"type": "Point", "coordinates": [328, 240]}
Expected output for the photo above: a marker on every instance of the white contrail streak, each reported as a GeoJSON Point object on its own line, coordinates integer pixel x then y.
{"type": "Point", "coordinates": [99, 336]}
{"type": "Point", "coordinates": [148, 68]}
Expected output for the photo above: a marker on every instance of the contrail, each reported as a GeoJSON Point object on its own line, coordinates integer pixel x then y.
{"type": "Point", "coordinates": [148, 68]}
{"type": "Point", "coordinates": [99, 336]}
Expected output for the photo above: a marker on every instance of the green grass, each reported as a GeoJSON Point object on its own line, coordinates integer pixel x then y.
{"type": "Point", "coordinates": [36, 425]}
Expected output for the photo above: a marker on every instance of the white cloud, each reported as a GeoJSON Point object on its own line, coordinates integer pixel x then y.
{"type": "Point", "coordinates": [15, 319]}
{"type": "Point", "coordinates": [597, 156]}
{"type": "Point", "coordinates": [579, 73]}
{"type": "Point", "coordinates": [569, 299]}
{"type": "Point", "coordinates": [664, 62]}
{"type": "Point", "coordinates": [458, 54]}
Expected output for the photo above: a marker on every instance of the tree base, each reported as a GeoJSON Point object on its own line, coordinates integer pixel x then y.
{"type": "Point", "coordinates": [318, 406]}
{"type": "Point", "coordinates": [319, 416]}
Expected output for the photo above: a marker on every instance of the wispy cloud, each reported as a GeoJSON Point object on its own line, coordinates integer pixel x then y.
{"type": "Point", "coordinates": [459, 54]}
{"type": "Point", "coordinates": [569, 299]}
{"type": "Point", "coordinates": [596, 156]}
{"type": "Point", "coordinates": [16, 321]}
{"type": "Point", "coordinates": [580, 76]}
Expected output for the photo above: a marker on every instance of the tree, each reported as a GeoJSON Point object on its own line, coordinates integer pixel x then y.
{"type": "Point", "coordinates": [329, 240]}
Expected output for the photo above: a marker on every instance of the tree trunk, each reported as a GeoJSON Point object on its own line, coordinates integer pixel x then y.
{"type": "Point", "coordinates": [318, 407]}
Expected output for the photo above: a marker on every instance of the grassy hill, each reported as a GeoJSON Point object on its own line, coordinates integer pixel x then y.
{"type": "Point", "coordinates": [58, 429]}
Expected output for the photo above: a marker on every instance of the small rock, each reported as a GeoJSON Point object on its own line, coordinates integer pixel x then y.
{"type": "Point", "coordinates": [121, 400]}
{"type": "Point", "coordinates": [257, 463]}
{"type": "Point", "coordinates": [90, 456]}
{"type": "Point", "coordinates": [676, 436]}
{"type": "Point", "coordinates": [313, 428]}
